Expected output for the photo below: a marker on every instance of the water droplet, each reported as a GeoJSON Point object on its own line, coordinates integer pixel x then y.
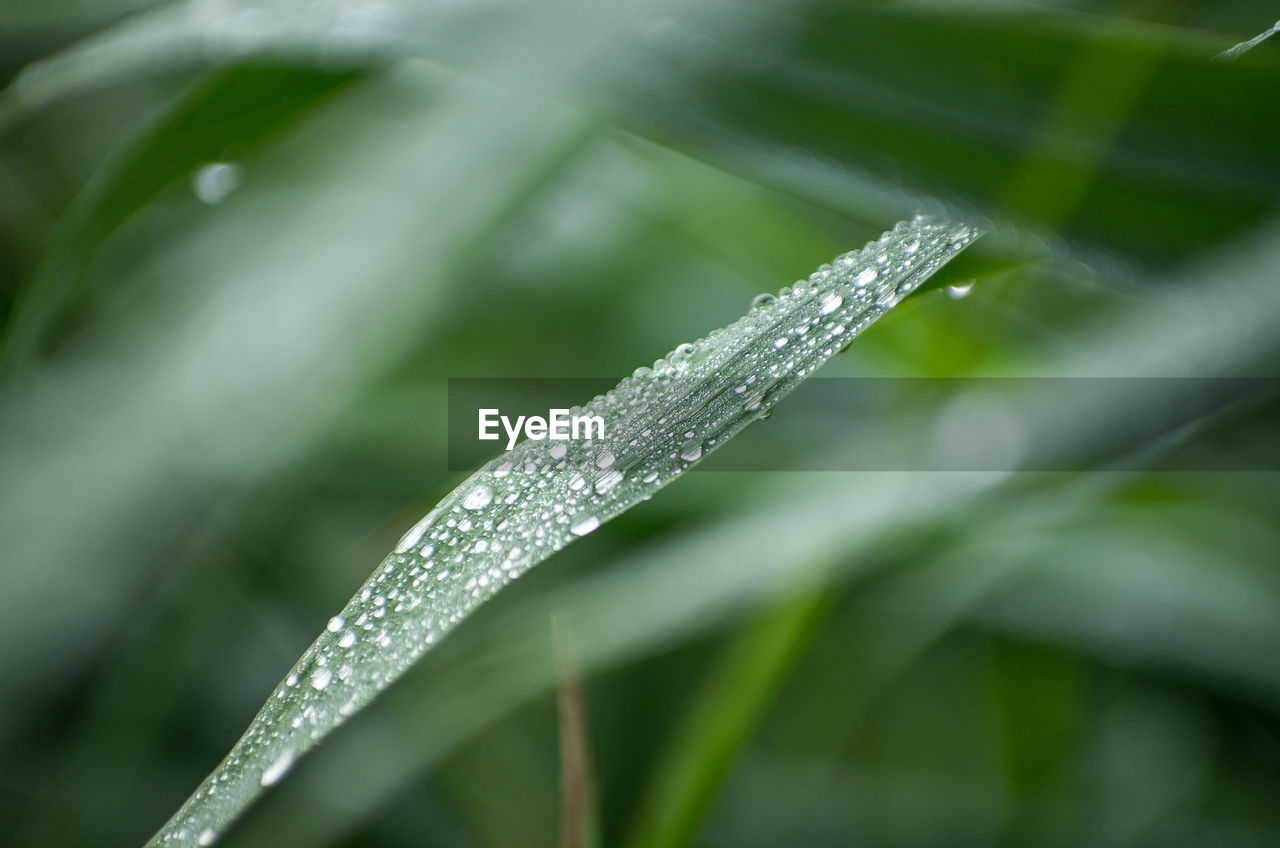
{"type": "Point", "coordinates": [559, 450]}
{"type": "Point", "coordinates": [335, 624]}
{"type": "Point", "coordinates": [960, 290]}
{"type": "Point", "coordinates": [480, 496]}
{"type": "Point", "coordinates": [830, 304]}
{"type": "Point", "coordinates": [411, 539]}
{"type": "Point", "coordinates": [604, 460]}
{"type": "Point", "coordinates": [865, 278]}
{"type": "Point", "coordinates": [320, 678]}
{"type": "Point", "coordinates": [682, 353]}
{"type": "Point", "coordinates": [271, 774]}
{"type": "Point", "coordinates": [207, 837]}
{"type": "Point", "coordinates": [762, 300]}
{"type": "Point", "coordinates": [577, 482]}
{"type": "Point", "coordinates": [584, 525]}
{"type": "Point", "coordinates": [213, 182]}
{"type": "Point", "coordinates": [691, 451]}
{"type": "Point", "coordinates": [347, 639]}
{"type": "Point", "coordinates": [780, 342]}
{"type": "Point", "coordinates": [608, 480]}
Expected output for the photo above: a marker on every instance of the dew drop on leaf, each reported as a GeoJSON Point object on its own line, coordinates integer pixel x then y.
{"type": "Point", "coordinates": [320, 679]}
{"type": "Point", "coordinates": [279, 768]}
{"type": "Point", "coordinates": [681, 353]}
{"type": "Point", "coordinates": [608, 480]}
{"type": "Point", "coordinates": [213, 182]}
{"type": "Point", "coordinates": [480, 496]}
{"type": "Point", "coordinates": [584, 526]}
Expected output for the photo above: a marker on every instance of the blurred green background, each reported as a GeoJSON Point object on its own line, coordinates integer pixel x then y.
{"type": "Point", "coordinates": [244, 244]}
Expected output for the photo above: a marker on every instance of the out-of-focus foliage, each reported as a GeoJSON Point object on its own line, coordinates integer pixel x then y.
{"type": "Point", "coordinates": [243, 246]}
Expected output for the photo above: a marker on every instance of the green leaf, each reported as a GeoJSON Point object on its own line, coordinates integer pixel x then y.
{"type": "Point", "coordinates": [1126, 134]}
{"type": "Point", "coordinates": [722, 719]}
{"type": "Point", "coordinates": [532, 501]}
{"type": "Point", "coordinates": [1113, 133]}
{"type": "Point", "coordinates": [231, 111]}
{"type": "Point", "coordinates": [262, 343]}
{"type": "Point", "coordinates": [53, 15]}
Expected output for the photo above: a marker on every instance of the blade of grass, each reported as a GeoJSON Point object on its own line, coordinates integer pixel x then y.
{"type": "Point", "coordinates": [855, 84]}
{"type": "Point", "coordinates": [525, 505]}
{"type": "Point", "coordinates": [659, 596]}
{"type": "Point", "coordinates": [75, 15]}
{"type": "Point", "coordinates": [722, 720]}
{"type": "Point", "coordinates": [1090, 107]}
{"type": "Point", "coordinates": [1245, 46]}
{"type": "Point", "coordinates": [195, 36]}
{"type": "Point", "coordinates": [236, 108]}
{"type": "Point", "coordinates": [852, 85]}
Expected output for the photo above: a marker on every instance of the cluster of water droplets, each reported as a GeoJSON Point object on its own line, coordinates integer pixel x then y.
{"type": "Point", "coordinates": [535, 499]}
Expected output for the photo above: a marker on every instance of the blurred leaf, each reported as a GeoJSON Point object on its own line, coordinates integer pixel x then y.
{"type": "Point", "coordinates": [954, 104]}
{"type": "Point", "coordinates": [226, 114]}
{"type": "Point", "coordinates": [38, 15]}
{"type": "Point", "coordinates": [951, 102]}
{"type": "Point", "coordinates": [721, 721]}
{"type": "Point", "coordinates": [242, 402]}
